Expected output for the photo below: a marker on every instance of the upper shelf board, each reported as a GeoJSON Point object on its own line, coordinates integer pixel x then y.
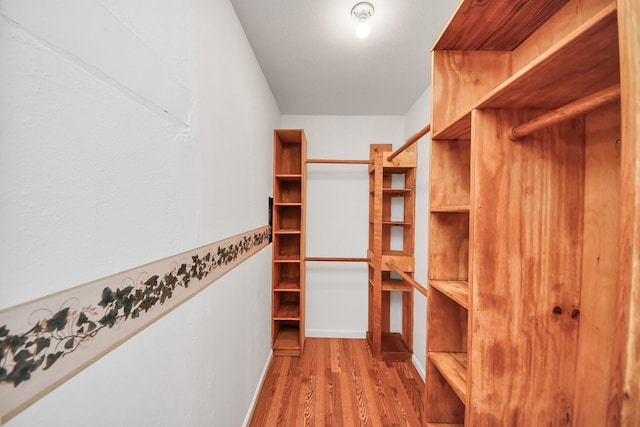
{"type": "Point", "coordinates": [496, 24]}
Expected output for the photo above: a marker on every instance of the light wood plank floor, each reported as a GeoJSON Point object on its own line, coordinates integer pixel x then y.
{"type": "Point", "coordinates": [337, 382]}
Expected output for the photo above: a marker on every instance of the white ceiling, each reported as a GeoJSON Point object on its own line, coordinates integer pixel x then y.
{"type": "Point", "coordinates": [316, 65]}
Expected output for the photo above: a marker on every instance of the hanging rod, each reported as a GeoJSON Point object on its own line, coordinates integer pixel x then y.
{"type": "Point", "coordinates": [342, 162]}
{"type": "Point", "coordinates": [413, 138]}
{"type": "Point", "coordinates": [566, 112]}
{"type": "Point", "coordinates": [310, 258]}
{"type": "Point", "coordinates": [408, 278]}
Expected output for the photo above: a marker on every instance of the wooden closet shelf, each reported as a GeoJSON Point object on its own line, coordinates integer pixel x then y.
{"type": "Point", "coordinates": [287, 231]}
{"type": "Point", "coordinates": [450, 209]}
{"type": "Point", "coordinates": [453, 367]}
{"type": "Point", "coordinates": [288, 338]}
{"type": "Point", "coordinates": [397, 223]}
{"type": "Point", "coordinates": [398, 285]}
{"type": "Point", "coordinates": [593, 46]}
{"type": "Point", "coordinates": [457, 290]}
{"type": "Point", "coordinates": [289, 177]}
{"type": "Point", "coordinates": [512, 22]}
{"type": "Point", "coordinates": [397, 191]}
{"type": "Point", "coordinates": [287, 286]}
{"type": "Point", "coordinates": [287, 311]}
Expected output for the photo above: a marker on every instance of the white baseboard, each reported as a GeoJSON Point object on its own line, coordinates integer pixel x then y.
{"type": "Point", "coordinates": [334, 333]}
{"type": "Point", "coordinates": [256, 393]}
{"type": "Point", "coordinates": [418, 366]}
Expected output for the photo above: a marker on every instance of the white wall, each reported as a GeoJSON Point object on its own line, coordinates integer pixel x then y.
{"type": "Point", "coordinates": [417, 118]}
{"type": "Point", "coordinates": [130, 131]}
{"type": "Point", "coordinates": [337, 217]}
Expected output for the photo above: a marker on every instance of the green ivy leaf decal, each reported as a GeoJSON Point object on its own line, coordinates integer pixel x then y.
{"type": "Point", "coordinates": [109, 319]}
{"type": "Point", "coordinates": [58, 321]}
{"type": "Point", "coordinates": [42, 343]}
{"type": "Point", "coordinates": [82, 319]}
{"type": "Point", "coordinates": [107, 297]}
{"type": "Point", "coordinates": [51, 359]}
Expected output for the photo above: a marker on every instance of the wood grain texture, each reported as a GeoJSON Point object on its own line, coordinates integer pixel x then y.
{"type": "Point", "coordinates": [453, 70]}
{"type": "Point", "coordinates": [289, 231]}
{"type": "Point", "coordinates": [593, 46]}
{"type": "Point", "coordinates": [450, 168]}
{"type": "Point", "coordinates": [338, 382]}
{"type": "Point", "coordinates": [571, 16]}
{"type": "Point", "coordinates": [624, 389]}
{"type": "Point", "coordinates": [511, 22]}
{"type": "Point", "coordinates": [599, 264]}
{"type": "Point", "coordinates": [457, 290]}
{"type": "Point", "coordinates": [526, 274]}
{"type": "Point", "coordinates": [453, 367]}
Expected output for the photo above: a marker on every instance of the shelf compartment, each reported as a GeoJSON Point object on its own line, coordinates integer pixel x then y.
{"type": "Point", "coordinates": [453, 367]}
{"type": "Point", "coordinates": [286, 276]}
{"type": "Point", "coordinates": [288, 190]}
{"type": "Point", "coordinates": [286, 305]}
{"type": "Point", "coordinates": [394, 347]}
{"type": "Point", "coordinates": [449, 246]}
{"type": "Point", "coordinates": [288, 151]}
{"type": "Point", "coordinates": [288, 217]}
{"type": "Point", "coordinates": [394, 285]}
{"type": "Point", "coordinates": [445, 406]}
{"type": "Point", "coordinates": [286, 247]}
{"type": "Point", "coordinates": [448, 323]}
{"type": "Point", "coordinates": [594, 65]}
{"type": "Point", "coordinates": [453, 70]}
{"type": "Point", "coordinates": [457, 290]}
{"type": "Point", "coordinates": [286, 338]}
{"type": "Point", "coordinates": [450, 174]}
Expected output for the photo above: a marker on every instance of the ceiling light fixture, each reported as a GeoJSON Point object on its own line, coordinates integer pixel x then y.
{"type": "Point", "coordinates": [361, 12]}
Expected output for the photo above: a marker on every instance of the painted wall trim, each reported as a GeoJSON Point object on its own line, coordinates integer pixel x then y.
{"type": "Point", "coordinates": [418, 366]}
{"type": "Point", "coordinates": [335, 333]}
{"type": "Point", "coordinates": [45, 342]}
{"type": "Point", "coordinates": [256, 393]}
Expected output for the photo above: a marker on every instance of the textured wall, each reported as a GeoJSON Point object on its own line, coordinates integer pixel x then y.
{"type": "Point", "coordinates": [130, 131]}
{"type": "Point", "coordinates": [415, 119]}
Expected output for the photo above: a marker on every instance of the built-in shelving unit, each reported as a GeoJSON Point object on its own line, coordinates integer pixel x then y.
{"type": "Point", "coordinates": [391, 244]}
{"type": "Point", "coordinates": [288, 270]}
{"type": "Point", "coordinates": [525, 274]}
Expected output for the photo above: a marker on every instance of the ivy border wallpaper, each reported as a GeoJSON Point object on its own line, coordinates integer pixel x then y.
{"type": "Point", "coordinates": [46, 341]}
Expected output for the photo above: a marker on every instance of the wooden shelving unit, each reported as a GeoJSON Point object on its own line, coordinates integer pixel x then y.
{"type": "Point", "coordinates": [391, 242]}
{"type": "Point", "coordinates": [288, 267]}
{"type": "Point", "coordinates": [528, 269]}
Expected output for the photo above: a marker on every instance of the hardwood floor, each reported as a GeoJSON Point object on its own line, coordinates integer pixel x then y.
{"type": "Point", "coordinates": [338, 383]}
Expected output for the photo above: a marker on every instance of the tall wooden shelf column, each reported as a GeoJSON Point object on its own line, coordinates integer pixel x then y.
{"type": "Point", "coordinates": [391, 242]}
{"type": "Point", "coordinates": [288, 267]}
{"type": "Point", "coordinates": [533, 199]}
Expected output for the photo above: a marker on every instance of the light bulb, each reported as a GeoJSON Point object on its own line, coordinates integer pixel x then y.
{"type": "Point", "coordinates": [362, 29]}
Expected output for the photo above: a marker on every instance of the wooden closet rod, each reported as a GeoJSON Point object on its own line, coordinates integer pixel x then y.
{"type": "Point", "coordinates": [408, 278]}
{"type": "Point", "coordinates": [310, 258]}
{"type": "Point", "coordinates": [413, 138]}
{"type": "Point", "coordinates": [566, 112]}
{"type": "Point", "coordinates": [342, 162]}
